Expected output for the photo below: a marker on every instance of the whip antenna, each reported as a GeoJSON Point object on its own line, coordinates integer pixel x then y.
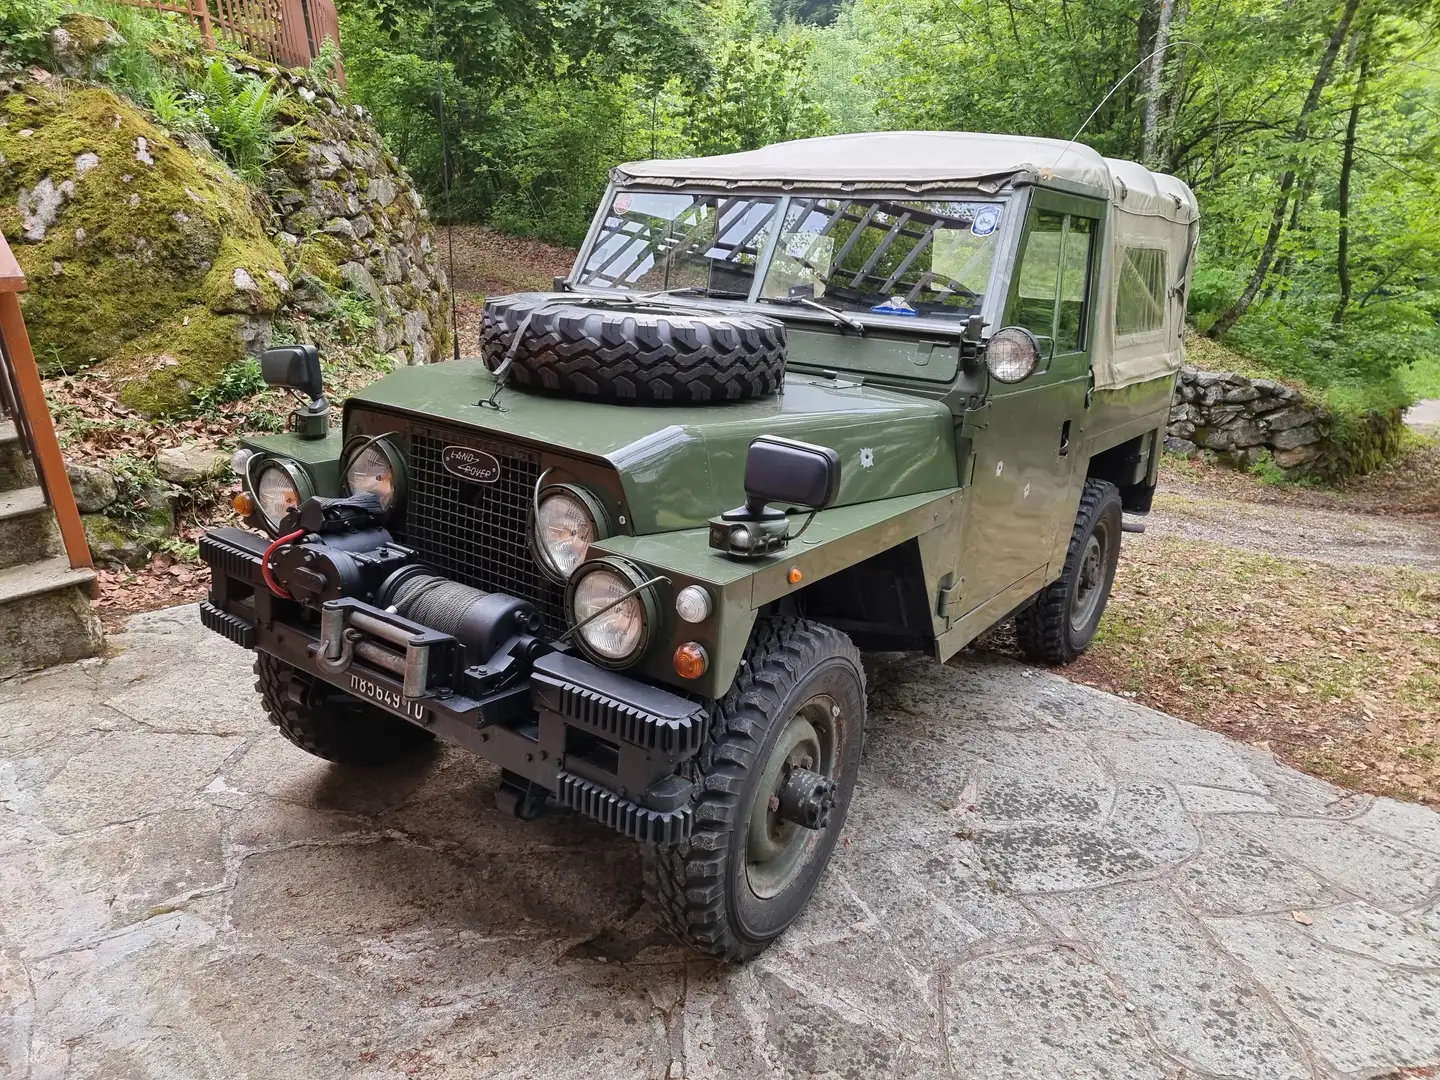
{"type": "Point", "coordinates": [1121, 82]}
{"type": "Point", "coordinates": [445, 184]}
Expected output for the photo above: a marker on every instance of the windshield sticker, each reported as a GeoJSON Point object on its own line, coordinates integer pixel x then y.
{"type": "Point", "coordinates": [987, 218]}
{"type": "Point", "coordinates": [622, 203]}
{"type": "Point", "coordinates": [896, 305]}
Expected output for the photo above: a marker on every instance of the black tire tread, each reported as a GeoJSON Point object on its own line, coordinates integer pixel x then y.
{"type": "Point", "coordinates": [620, 355]}
{"type": "Point", "coordinates": [1042, 627]}
{"type": "Point", "coordinates": [685, 883]}
{"type": "Point", "coordinates": [354, 733]}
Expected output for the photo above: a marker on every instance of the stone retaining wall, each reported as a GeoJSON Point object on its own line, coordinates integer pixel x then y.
{"type": "Point", "coordinates": [1241, 418]}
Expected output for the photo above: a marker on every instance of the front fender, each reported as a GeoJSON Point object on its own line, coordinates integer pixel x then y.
{"type": "Point", "coordinates": [741, 588]}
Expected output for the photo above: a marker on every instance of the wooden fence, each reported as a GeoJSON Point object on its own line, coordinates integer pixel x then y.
{"type": "Point", "coordinates": [284, 32]}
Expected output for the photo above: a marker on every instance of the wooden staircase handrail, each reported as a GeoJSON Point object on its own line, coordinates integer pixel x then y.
{"type": "Point", "coordinates": [34, 418]}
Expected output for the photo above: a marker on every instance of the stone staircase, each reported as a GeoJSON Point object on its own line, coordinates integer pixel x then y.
{"type": "Point", "coordinates": [45, 612]}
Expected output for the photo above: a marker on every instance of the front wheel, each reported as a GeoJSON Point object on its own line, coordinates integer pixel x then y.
{"type": "Point", "coordinates": [1058, 624]}
{"type": "Point", "coordinates": [329, 724]}
{"type": "Point", "coordinates": [776, 775]}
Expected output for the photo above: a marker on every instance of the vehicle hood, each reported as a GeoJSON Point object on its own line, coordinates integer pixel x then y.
{"type": "Point", "coordinates": [680, 465]}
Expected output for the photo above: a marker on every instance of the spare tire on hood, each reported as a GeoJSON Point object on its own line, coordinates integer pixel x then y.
{"type": "Point", "coordinates": [632, 351]}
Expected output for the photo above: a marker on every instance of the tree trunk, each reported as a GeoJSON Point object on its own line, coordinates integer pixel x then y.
{"type": "Point", "coordinates": [1149, 122]}
{"type": "Point", "coordinates": [1347, 166]}
{"type": "Point", "coordinates": [1231, 315]}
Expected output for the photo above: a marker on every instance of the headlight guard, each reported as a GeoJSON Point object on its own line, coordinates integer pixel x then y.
{"type": "Point", "coordinates": [619, 635]}
{"type": "Point", "coordinates": [560, 560]}
{"type": "Point", "coordinates": [375, 466]}
{"type": "Point", "coordinates": [290, 487]}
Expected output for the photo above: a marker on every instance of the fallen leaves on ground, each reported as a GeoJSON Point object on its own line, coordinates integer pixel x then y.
{"type": "Point", "coordinates": [1337, 671]}
{"type": "Point", "coordinates": [489, 263]}
{"type": "Point", "coordinates": [168, 580]}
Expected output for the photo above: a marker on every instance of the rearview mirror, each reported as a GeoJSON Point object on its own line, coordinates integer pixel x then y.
{"type": "Point", "coordinates": [793, 473]}
{"type": "Point", "coordinates": [294, 367]}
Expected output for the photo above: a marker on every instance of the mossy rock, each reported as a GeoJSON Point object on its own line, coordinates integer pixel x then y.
{"type": "Point", "coordinates": [161, 373]}
{"type": "Point", "coordinates": [115, 224]}
{"type": "Point", "coordinates": [248, 278]}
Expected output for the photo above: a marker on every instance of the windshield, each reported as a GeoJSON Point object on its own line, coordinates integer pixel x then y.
{"type": "Point", "coordinates": [654, 241]}
{"type": "Point", "coordinates": [922, 258]}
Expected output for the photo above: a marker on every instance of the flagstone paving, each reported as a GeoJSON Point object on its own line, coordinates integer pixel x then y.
{"type": "Point", "coordinates": [1036, 880]}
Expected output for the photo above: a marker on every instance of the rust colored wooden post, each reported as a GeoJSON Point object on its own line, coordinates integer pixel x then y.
{"type": "Point", "coordinates": [31, 398]}
{"type": "Point", "coordinates": [201, 10]}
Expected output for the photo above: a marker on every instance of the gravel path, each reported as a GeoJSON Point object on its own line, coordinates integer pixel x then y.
{"type": "Point", "coordinates": [1328, 536]}
{"type": "Point", "coordinates": [1424, 414]}
{"type": "Point", "coordinates": [1037, 881]}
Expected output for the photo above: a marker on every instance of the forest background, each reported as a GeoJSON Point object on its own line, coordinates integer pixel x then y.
{"type": "Point", "coordinates": [1309, 129]}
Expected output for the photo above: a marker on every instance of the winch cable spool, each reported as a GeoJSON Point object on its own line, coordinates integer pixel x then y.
{"type": "Point", "coordinates": [432, 601]}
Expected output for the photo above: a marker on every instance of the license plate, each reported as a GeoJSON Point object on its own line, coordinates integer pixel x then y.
{"type": "Point", "coordinates": [393, 700]}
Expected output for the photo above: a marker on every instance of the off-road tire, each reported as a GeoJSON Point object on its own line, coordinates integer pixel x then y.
{"type": "Point", "coordinates": [1044, 628]}
{"type": "Point", "coordinates": [693, 885]}
{"type": "Point", "coordinates": [322, 721]}
{"type": "Point", "coordinates": [645, 353]}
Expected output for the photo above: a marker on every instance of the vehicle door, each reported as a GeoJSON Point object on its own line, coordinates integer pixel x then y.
{"type": "Point", "coordinates": [1025, 445]}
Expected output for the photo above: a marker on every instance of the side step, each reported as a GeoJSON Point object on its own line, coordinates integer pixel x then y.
{"type": "Point", "coordinates": [45, 616]}
{"type": "Point", "coordinates": [27, 527]}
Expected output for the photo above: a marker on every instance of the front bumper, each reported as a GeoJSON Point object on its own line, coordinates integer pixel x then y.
{"type": "Point", "coordinates": [599, 742]}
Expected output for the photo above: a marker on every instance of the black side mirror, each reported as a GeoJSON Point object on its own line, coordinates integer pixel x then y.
{"type": "Point", "coordinates": [297, 367]}
{"type": "Point", "coordinates": [794, 473]}
{"type": "Point", "coordinates": [294, 367]}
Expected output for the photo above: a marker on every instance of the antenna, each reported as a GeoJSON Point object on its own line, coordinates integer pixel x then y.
{"type": "Point", "coordinates": [445, 184]}
{"type": "Point", "coordinates": [1121, 82]}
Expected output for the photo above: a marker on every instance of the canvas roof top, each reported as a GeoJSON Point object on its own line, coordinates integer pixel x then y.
{"type": "Point", "coordinates": [921, 160]}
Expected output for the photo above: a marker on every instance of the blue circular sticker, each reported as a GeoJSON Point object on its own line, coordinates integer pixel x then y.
{"type": "Point", "coordinates": [986, 220]}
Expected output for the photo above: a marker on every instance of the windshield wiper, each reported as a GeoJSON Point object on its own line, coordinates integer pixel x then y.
{"type": "Point", "coordinates": [698, 290]}
{"type": "Point", "coordinates": [839, 316]}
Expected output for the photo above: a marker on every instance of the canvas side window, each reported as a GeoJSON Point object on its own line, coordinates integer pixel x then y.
{"type": "Point", "coordinates": [1074, 285]}
{"type": "Point", "coordinates": [1039, 279]}
{"type": "Point", "coordinates": [1140, 296]}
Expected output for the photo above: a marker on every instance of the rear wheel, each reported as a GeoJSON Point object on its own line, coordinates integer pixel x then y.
{"type": "Point", "coordinates": [329, 724]}
{"type": "Point", "coordinates": [1058, 624]}
{"type": "Point", "coordinates": [776, 777]}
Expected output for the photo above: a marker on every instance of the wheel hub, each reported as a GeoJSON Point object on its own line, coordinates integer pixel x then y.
{"type": "Point", "coordinates": [806, 799]}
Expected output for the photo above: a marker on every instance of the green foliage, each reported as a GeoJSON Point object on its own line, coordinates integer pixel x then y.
{"type": "Point", "coordinates": [25, 27]}
{"type": "Point", "coordinates": [235, 111]}
{"type": "Point", "coordinates": [1422, 376]}
{"type": "Point", "coordinates": [238, 381]}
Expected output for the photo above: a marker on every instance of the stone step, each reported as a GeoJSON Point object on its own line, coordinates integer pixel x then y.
{"type": "Point", "coordinates": [46, 616]}
{"type": "Point", "coordinates": [16, 470]}
{"type": "Point", "coordinates": [27, 528]}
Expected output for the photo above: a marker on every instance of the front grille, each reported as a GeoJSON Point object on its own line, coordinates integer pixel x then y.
{"type": "Point", "coordinates": [475, 533]}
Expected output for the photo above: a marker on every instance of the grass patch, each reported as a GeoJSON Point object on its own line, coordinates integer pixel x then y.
{"type": "Point", "coordinates": [1338, 674]}
{"type": "Point", "coordinates": [1422, 378]}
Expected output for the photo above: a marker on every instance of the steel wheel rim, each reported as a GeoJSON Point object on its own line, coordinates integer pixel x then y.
{"type": "Point", "coordinates": [1088, 583]}
{"type": "Point", "coordinates": [777, 851]}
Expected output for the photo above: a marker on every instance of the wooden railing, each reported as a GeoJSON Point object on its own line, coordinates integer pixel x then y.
{"type": "Point", "coordinates": [285, 32]}
{"type": "Point", "coordinates": [22, 400]}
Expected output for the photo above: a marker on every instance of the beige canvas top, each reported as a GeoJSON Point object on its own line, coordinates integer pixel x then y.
{"type": "Point", "coordinates": [920, 160]}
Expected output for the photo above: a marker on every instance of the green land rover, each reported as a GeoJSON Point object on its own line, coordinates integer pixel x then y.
{"type": "Point", "coordinates": [859, 392]}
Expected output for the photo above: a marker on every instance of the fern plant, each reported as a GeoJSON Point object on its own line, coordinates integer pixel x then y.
{"type": "Point", "coordinates": [237, 114]}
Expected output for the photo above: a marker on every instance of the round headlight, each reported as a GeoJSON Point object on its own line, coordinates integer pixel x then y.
{"type": "Point", "coordinates": [279, 488]}
{"type": "Point", "coordinates": [565, 527]}
{"type": "Point", "coordinates": [619, 634]}
{"type": "Point", "coordinates": [375, 470]}
{"type": "Point", "coordinates": [1012, 354]}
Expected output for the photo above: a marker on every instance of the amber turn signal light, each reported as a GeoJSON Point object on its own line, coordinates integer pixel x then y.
{"type": "Point", "coordinates": [794, 575]}
{"type": "Point", "coordinates": [244, 505]}
{"type": "Point", "coordinates": [690, 660]}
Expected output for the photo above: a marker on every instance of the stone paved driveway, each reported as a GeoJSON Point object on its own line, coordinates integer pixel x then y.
{"type": "Point", "coordinates": [1037, 880]}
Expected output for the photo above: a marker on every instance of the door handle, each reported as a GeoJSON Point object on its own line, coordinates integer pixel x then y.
{"type": "Point", "coordinates": [1065, 438]}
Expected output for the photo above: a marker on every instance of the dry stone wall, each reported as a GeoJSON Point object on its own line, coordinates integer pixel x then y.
{"type": "Point", "coordinates": [1241, 418]}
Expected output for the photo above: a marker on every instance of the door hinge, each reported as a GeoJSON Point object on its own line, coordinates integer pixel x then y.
{"type": "Point", "coordinates": [951, 589]}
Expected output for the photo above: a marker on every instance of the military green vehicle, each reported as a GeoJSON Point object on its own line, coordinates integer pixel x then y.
{"type": "Point", "coordinates": [865, 392]}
